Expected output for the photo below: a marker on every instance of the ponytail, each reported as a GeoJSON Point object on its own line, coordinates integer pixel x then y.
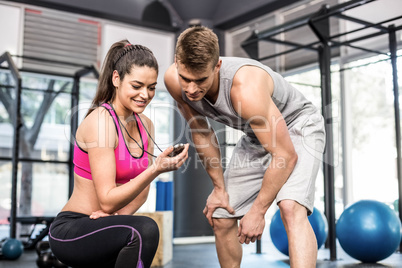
{"type": "Point", "coordinates": [122, 56]}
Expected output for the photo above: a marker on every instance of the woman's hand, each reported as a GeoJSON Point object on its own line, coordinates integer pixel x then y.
{"type": "Point", "coordinates": [164, 163]}
{"type": "Point", "coordinates": [99, 214]}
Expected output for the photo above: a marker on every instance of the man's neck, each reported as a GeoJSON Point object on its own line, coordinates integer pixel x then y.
{"type": "Point", "coordinates": [213, 92]}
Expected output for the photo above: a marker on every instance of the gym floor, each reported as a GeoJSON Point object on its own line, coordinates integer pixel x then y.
{"type": "Point", "coordinates": [204, 256]}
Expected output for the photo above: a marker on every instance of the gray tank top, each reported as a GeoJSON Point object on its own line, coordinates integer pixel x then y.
{"type": "Point", "coordinates": [290, 102]}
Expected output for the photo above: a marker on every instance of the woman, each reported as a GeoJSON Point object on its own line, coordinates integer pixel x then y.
{"type": "Point", "coordinates": [113, 168]}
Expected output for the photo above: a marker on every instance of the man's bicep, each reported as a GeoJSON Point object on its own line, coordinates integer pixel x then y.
{"type": "Point", "coordinates": [269, 126]}
{"type": "Point", "coordinates": [274, 135]}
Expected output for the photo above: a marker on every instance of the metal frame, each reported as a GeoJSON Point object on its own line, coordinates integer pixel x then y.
{"type": "Point", "coordinates": [6, 57]}
{"type": "Point", "coordinates": [319, 24]}
{"type": "Point", "coordinates": [83, 71]}
{"type": "Point", "coordinates": [74, 117]}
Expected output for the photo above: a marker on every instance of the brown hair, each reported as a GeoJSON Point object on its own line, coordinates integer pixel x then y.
{"type": "Point", "coordinates": [197, 47]}
{"type": "Point", "coordinates": [122, 56]}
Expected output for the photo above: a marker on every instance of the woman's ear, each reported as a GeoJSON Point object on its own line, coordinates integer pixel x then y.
{"type": "Point", "coordinates": [116, 78]}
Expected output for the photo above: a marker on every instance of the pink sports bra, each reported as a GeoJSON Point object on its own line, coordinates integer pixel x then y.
{"type": "Point", "coordinates": [127, 166]}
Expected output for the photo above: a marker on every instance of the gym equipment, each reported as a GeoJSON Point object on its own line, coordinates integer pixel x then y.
{"type": "Point", "coordinates": [12, 249]}
{"type": "Point", "coordinates": [280, 238]}
{"type": "Point", "coordinates": [369, 231]}
{"type": "Point", "coordinates": [396, 205]}
{"type": "Point", "coordinates": [58, 264]}
{"type": "Point", "coordinates": [164, 195]}
{"type": "Point", "coordinates": [34, 221]}
{"type": "Point", "coordinates": [46, 259]}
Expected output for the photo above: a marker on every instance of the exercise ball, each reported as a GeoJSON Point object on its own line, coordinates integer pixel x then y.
{"type": "Point", "coordinates": [12, 249]}
{"type": "Point", "coordinates": [280, 239]}
{"type": "Point", "coordinates": [369, 231]}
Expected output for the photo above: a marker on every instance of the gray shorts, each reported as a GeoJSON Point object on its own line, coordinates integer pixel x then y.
{"type": "Point", "coordinates": [244, 174]}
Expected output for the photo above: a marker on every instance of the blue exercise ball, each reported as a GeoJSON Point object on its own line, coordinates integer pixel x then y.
{"type": "Point", "coordinates": [12, 249]}
{"type": "Point", "coordinates": [369, 231]}
{"type": "Point", "coordinates": [280, 239]}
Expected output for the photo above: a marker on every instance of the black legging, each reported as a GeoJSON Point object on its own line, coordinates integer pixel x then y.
{"type": "Point", "coordinates": [118, 241]}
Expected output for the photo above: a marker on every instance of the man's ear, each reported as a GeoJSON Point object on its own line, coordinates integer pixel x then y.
{"type": "Point", "coordinates": [218, 66]}
{"type": "Point", "coordinates": [116, 78]}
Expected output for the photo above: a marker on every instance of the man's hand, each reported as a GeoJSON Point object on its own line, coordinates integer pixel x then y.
{"type": "Point", "coordinates": [217, 199]}
{"type": "Point", "coordinates": [251, 227]}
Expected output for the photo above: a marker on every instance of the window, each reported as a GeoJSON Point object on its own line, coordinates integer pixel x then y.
{"type": "Point", "coordinates": [42, 182]}
{"type": "Point", "coordinates": [308, 82]}
{"type": "Point", "coordinates": [160, 111]}
{"type": "Point", "coordinates": [368, 84]}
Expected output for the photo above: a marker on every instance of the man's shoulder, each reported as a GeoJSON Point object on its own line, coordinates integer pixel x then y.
{"type": "Point", "coordinates": [239, 60]}
{"type": "Point", "coordinates": [170, 72]}
{"type": "Point", "coordinates": [233, 67]}
{"type": "Point", "coordinates": [172, 82]}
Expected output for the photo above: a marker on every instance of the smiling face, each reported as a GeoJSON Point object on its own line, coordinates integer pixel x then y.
{"type": "Point", "coordinates": [197, 85]}
{"type": "Point", "coordinates": [136, 90]}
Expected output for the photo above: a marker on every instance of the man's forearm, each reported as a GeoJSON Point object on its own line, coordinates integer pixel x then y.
{"type": "Point", "coordinates": [210, 157]}
{"type": "Point", "coordinates": [274, 178]}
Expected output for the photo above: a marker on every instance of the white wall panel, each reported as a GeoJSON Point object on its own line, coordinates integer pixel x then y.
{"type": "Point", "coordinates": [161, 44]}
{"type": "Point", "coordinates": [10, 29]}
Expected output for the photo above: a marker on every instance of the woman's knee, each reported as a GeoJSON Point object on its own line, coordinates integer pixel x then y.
{"type": "Point", "coordinates": [142, 229]}
{"type": "Point", "coordinates": [150, 229]}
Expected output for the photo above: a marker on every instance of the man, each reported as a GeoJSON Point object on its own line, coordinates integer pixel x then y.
{"type": "Point", "coordinates": [278, 158]}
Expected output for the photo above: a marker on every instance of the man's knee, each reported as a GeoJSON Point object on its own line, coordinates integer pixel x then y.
{"type": "Point", "coordinates": [223, 226]}
{"type": "Point", "coordinates": [292, 211]}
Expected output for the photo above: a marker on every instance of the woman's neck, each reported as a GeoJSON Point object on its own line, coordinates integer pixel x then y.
{"type": "Point", "coordinates": [123, 113]}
